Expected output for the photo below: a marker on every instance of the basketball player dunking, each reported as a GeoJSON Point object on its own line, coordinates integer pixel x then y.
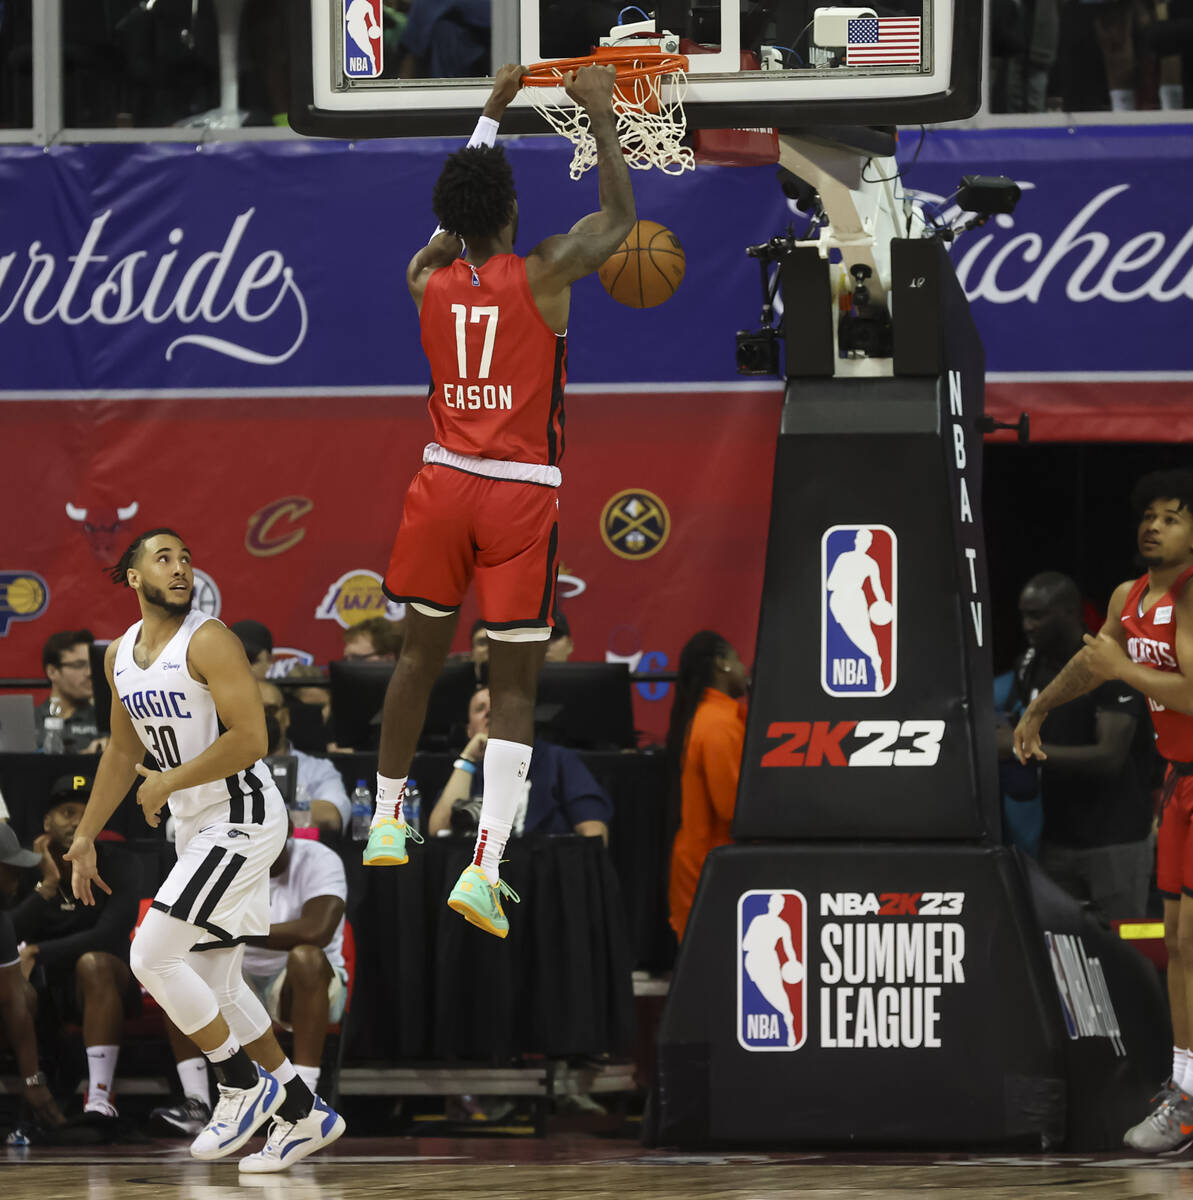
{"type": "Point", "coordinates": [485, 502]}
{"type": "Point", "coordinates": [182, 689]}
{"type": "Point", "coordinates": [1147, 642]}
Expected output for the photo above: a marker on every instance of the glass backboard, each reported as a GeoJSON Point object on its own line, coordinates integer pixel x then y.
{"type": "Point", "coordinates": [361, 68]}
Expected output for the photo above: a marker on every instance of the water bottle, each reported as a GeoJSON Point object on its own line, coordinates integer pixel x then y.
{"type": "Point", "coordinates": [52, 740]}
{"type": "Point", "coordinates": [300, 813]}
{"type": "Point", "coordinates": [362, 812]}
{"type": "Point", "coordinates": [412, 803]}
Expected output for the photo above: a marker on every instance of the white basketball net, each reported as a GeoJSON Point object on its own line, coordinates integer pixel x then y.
{"type": "Point", "coordinates": [649, 139]}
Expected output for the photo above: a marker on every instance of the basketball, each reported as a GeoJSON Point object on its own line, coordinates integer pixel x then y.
{"type": "Point", "coordinates": [792, 971]}
{"type": "Point", "coordinates": [881, 612]}
{"type": "Point", "coordinates": [646, 268]}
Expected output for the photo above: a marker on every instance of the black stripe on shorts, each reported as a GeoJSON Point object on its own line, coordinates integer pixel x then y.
{"type": "Point", "coordinates": [181, 907]}
{"type": "Point", "coordinates": [218, 890]}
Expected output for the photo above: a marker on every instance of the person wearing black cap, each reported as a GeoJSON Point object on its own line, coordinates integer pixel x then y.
{"type": "Point", "coordinates": [258, 645]}
{"type": "Point", "coordinates": [82, 950]}
{"type": "Point", "coordinates": [17, 1002]}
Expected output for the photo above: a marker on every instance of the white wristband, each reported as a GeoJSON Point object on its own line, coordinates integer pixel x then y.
{"type": "Point", "coordinates": [485, 133]}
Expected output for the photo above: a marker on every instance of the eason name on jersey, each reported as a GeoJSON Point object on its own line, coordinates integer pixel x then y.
{"type": "Point", "coordinates": [478, 395]}
{"type": "Point", "coordinates": [854, 743]}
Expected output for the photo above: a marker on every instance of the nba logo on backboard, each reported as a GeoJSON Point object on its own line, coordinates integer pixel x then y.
{"type": "Point", "coordinates": [772, 931]}
{"type": "Point", "coordinates": [858, 610]}
{"type": "Point", "coordinates": [362, 39]}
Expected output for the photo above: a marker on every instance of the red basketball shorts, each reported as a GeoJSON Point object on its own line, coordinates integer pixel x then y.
{"type": "Point", "coordinates": [456, 525]}
{"type": "Point", "coordinates": [1174, 846]}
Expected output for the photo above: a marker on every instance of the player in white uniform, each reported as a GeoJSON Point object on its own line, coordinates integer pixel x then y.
{"type": "Point", "coordinates": [182, 689]}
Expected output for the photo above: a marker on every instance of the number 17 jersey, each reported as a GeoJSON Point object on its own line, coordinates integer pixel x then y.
{"type": "Point", "coordinates": [497, 369]}
{"type": "Point", "coordinates": [175, 718]}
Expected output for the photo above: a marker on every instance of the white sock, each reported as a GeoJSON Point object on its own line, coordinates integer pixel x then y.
{"type": "Point", "coordinates": [1172, 95]}
{"type": "Point", "coordinates": [224, 1051]}
{"type": "Point", "coordinates": [101, 1070]}
{"type": "Point", "coordinates": [1122, 99]}
{"type": "Point", "coordinates": [192, 1074]}
{"type": "Point", "coordinates": [285, 1072]}
{"type": "Point", "coordinates": [506, 764]}
{"type": "Point", "coordinates": [309, 1076]}
{"type": "Point", "coordinates": [1186, 1081]}
{"type": "Point", "coordinates": [389, 799]}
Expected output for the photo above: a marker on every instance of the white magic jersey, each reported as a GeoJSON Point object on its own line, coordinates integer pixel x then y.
{"type": "Point", "coordinates": [175, 718]}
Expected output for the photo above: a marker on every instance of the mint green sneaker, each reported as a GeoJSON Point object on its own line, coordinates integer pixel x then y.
{"type": "Point", "coordinates": [387, 843]}
{"type": "Point", "coordinates": [479, 902]}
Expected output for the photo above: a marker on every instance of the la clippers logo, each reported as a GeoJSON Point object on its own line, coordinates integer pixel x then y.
{"type": "Point", "coordinates": [859, 565]}
{"type": "Point", "coordinates": [772, 931]}
{"type": "Point", "coordinates": [362, 39]}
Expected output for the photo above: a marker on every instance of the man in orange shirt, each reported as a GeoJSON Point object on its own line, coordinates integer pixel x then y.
{"type": "Point", "coordinates": [704, 742]}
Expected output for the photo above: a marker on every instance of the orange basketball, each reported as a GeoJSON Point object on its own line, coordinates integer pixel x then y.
{"type": "Point", "coordinates": [646, 268]}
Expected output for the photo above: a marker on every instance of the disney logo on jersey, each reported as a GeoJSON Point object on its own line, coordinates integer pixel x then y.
{"type": "Point", "coordinates": [858, 618]}
{"type": "Point", "coordinates": [772, 934]}
{"type": "Point", "coordinates": [363, 43]}
{"type": "Point", "coordinates": [854, 743]}
{"type": "Point", "coordinates": [24, 596]}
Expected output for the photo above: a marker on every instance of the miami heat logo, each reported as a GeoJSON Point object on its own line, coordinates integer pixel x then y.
{"type": "Point", "coordinates": [858, 603]}
{"type": "Point", "coordinates": [263, 540]}
{"type": "Point", "coordinates": [635, 524]}
{"type": "Point", "coordinates": [772, 934]}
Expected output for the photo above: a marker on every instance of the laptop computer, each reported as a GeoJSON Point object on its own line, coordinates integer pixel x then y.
{"type": "Point", "coordinates": [17, 731]}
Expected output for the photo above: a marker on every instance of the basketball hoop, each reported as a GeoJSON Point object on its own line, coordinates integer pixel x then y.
{"type": "Point", "coordinates": [649, 127]}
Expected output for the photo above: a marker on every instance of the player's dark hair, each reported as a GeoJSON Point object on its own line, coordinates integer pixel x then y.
{"type": "Point", "coordinates": [129, 557]}
{"type": "Point", "coordinates": [697, 670]}
{"type": "Point", "coordinates": [1163, 485]}
{"type": "Point", "coordinates": [474, 195]}
{"type": "Point", "coordinates": [57, 644]}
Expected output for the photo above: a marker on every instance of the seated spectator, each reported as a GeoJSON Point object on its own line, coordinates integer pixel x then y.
{"type": "Point", "coordinates": [375, 640]}
{"type": "Point", "coordinates": [330, 808]}
{"type": "Point", "coordinates": [1024, 40]}
{"type": "Point", "coordinates": [562, 796]}
{"type": "Point", "coordinates": [704, 746]}
{"type": "Point", "coordinates": [18, 1003]}
{"type": "Point", "coordinates": [80, 952]}
{"type": "Point", "coordinates": [297, 970]}
{"type": "Point", "coordinates": [561, 646]}
{"type": "Point", "coordinates": [258, 645]}
{"type": "Point", "coordinates": [65, 658]}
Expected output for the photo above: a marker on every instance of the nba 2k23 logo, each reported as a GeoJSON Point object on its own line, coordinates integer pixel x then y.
{"type": "Point", "coordinates": [858, 621]}
{"type": "Point", "coordinates": [362, 39]}
{"type": "Point", "coordinates": [772, 931]}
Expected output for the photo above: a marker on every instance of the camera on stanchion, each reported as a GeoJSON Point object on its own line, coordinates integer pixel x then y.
{"type": "Point", "coordinates": [758, 351]}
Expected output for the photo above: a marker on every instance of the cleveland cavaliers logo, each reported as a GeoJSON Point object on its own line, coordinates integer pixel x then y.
{"type": "Point", "coordinates": [274, 529]}
{"type": "Point", "coordinates": [635, 524]}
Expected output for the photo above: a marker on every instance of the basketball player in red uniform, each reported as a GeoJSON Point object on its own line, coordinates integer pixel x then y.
{"type": "Point", "coordinates": [1147, 642]}
{"type": "Point", "coordinates": [484, 505]}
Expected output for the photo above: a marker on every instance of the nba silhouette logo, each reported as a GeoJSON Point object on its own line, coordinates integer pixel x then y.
{"type": "Point", "coordinates": [362, 39]}
{"type": "Point", "coordinates": [772, 931]}
{"type": "Point", "coordinates": [859, 621]}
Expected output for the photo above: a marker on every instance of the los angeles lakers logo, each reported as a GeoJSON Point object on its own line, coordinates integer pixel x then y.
{"type": "Point", "coordinates": [274, 529]}
{"type": "Point", "coordinates": [355, 597]}
{"type": "Point", "coordinates": [24, 596]}
{"type": "Point", "coordinates": [635, 524]}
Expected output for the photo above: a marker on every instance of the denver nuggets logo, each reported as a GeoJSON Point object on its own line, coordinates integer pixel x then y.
{"type": "Point", "coordinates": [24, 596]}
{"type": "Point", "coordinates": [355, 597]}
{"type": "Point", "coordinates": [635, 524]}
{"type": "Point", "coordinates": [262, 540]}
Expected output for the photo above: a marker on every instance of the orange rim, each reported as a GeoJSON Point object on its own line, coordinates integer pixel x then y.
{"type": "Point", "coordinates": [631, 64]}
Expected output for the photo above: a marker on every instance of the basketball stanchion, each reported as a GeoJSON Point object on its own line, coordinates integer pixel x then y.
{"type": "Point", "coordinates": [650, 116]}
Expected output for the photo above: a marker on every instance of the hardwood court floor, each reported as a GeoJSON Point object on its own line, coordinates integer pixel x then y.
{"type": "Point", "coordinates": [573, 1167]}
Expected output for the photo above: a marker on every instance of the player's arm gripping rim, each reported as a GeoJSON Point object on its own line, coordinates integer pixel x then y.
{"type": "Point", "coordinates": [557, 262]}
{"type": "Point", "coordinates": [215, 657]}
{"type": "Point", "coordinates": [444, 247]}
{"type": "Point", "coordinates": [115, 774]}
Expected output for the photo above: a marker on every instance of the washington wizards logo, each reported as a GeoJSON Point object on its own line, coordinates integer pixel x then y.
{"type": "Point", "coordinates": [635, 524]}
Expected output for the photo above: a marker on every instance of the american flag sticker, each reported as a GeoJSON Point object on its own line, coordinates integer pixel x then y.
{"type": "Point", "coordinates": [878, 41]}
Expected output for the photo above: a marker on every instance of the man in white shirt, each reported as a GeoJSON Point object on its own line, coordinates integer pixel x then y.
{"type": "Point", "coordinates": [318, 777]}
{"type": "Point", "coordinates": [297, 971]}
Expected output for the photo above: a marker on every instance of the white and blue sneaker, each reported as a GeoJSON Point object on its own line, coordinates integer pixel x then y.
{"type": "Point", "coordinates": [238, 1114]}
{"type": "Point", "coordinates": [290, 1142]}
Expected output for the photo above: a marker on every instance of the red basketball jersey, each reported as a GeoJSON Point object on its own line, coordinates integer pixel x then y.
{"type": "Point", "coordinates": [497, 369]}
{"type": "Point", "coordinates": [1151, 640]}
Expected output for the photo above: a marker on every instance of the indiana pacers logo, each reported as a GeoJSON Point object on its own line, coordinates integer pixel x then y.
{"type": "Point", "coordinates": [635, 524]}
{"type": "Point", "coordinates": [24, 596]}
